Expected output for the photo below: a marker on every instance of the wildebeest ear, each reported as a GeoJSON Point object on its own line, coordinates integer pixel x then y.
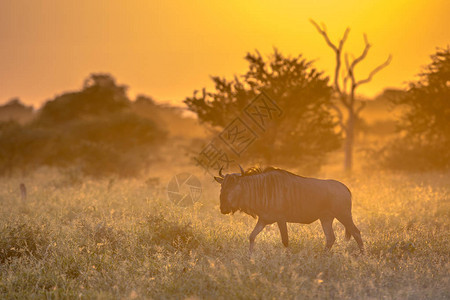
{"type": "Point", "coordinates": [218, 179]}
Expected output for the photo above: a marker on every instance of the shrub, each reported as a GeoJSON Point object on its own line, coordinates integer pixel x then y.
{"type": "Point", "coordinates": [121, 143]}
{"type": "Point", "coordinates": [20, 238]}
{"type": "Point", "coordinates": [425, 132]}
{"type": "Point", "coordinates": [168, 234]}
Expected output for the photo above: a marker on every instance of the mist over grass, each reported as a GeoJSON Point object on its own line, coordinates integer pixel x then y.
{"type": "Point", "coordinates": [124, 239]}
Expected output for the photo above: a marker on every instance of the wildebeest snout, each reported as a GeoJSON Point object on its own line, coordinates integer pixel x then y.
{"type": "Point", "coordinates": [225, 210]}
{"type": "Point", "coordinates": [225, 207]}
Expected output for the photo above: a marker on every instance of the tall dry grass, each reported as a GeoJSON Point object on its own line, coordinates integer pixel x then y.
{"type": "Point", "coordinates": [124, 239]}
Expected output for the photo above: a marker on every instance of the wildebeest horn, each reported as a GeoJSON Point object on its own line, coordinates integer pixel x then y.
{"type": "Point", "coordinates": [242, 170]}
{"type": "Point", "coordinates": [220, 172]}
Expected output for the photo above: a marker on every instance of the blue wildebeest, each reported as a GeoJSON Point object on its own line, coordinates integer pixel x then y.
{"type": "Point", "coordinates": [275, 195]}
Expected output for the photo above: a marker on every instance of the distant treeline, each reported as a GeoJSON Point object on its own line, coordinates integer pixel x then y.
{"type": "Point", "coordinates": [99, 131]}
{"type": "Point", "coordinates": [95, 130]}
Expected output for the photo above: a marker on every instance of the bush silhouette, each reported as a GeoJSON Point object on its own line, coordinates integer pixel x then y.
{"type": "Point", "coordinates": [424, 140]}
{"type": "Point", "coordinates": [92, 130]}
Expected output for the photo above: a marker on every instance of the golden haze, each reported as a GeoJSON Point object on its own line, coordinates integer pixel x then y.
{"type": "Point", "coordinates": [166, 49]}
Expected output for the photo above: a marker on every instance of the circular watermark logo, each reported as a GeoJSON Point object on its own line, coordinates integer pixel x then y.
{"type": "Point", "coordinates": [184, 189]}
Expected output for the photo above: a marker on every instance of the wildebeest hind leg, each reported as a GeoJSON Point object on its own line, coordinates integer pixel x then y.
{"type": "Point", "coordinates": [258, 228]}
{"type": "Point", "coordinates": [327, 226]}
{"type": "Point", "coordinates": [347, 221]}
{"type": "Point", "coordinates": [284, 233]}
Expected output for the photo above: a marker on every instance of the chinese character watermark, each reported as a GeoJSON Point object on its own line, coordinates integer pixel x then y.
{"type": "Point", "coordinates": [213, 157]}
{"type": "Point", "coordinates": [262, 110]}
{"type": "Point", "coordinates": [239, 134]}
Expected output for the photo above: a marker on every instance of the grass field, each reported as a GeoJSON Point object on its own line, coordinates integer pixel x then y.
{"type": "Point", "coordinates": [124, 239]}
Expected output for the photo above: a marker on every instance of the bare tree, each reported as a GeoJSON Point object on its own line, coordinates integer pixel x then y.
{"type": "Point", "coordinates": [345, 92]}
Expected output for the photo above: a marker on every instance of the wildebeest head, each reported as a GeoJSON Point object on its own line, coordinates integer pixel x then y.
{"type": "Point", "coordinates": [230, 191]}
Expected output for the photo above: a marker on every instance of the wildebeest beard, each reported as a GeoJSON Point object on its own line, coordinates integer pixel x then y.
{"type": "Point", "coordinates": [228, 205]}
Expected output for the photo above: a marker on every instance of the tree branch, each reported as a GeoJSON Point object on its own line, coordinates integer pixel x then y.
{"type": "Point", "coordinates": [344, 100]}
{"type": "Point", "coordinates": [360, 108]}
{"type": "Point", "coordinates": [344, 38]}
{"type": "Point", "coordinates": [345, 75]}
{"type": "Point", "coordinates": [363, 54]}
{"type": "Point", "coordinates": [350, 74]}
{"type": "Point", "coordinates": [374, 71]}
{"type": "Point", "coordinates": [324, 34]}
{"type": "Point", "coordinates": [339, 115]}
{"type": "Point", "coordinates": [337, 50]}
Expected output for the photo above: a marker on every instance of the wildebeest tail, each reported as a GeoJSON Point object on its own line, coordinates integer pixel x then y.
{"type": "Point", "coordinates": [348, 235]}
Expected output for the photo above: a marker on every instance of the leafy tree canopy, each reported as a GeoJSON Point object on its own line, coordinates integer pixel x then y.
{"type": "Point", "coordinates": [428, 101]}
{"type": "Point", "coordinates": [100, 95]}
{"type": "Point", "coordinates": [93, 130]}
{"type": "Point", "coordinates": [425, 129]}
{"type": "Point", "coordinates": [306, 131]}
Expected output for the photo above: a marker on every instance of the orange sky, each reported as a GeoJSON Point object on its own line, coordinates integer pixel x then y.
{"type": "Point", "coordinates": [166, 49]}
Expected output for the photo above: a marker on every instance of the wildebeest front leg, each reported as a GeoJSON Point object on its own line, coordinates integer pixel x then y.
{"type": "Point", "coordinates": [284, 233]}
{"type": "Point", "coordinates": [258, 228]}
{"type": "Point", "coordinates": [327, 226]}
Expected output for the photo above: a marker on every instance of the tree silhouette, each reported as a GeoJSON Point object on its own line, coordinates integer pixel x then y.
{"type": "Point", "coordinates": [424, 141]}
{"type": "Point", "coordinates": [15, 110]}
{"type": "Point", "coordinates": [303, 135]}
{"type": "Point", "coordinates": [93, 130]}
{"type": "Point", "coordinates": [100, 95]}
{"type": "Point", "coordinates": [345, 85]}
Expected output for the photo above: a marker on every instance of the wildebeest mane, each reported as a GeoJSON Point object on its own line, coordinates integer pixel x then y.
{"type": "Point", "coordinates": [268, 191]}
{"type": "Point", "coordinates": [257, 170]}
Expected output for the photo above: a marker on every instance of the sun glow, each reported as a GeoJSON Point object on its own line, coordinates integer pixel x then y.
{"type": "Point", "coordinates": [168, 49]}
